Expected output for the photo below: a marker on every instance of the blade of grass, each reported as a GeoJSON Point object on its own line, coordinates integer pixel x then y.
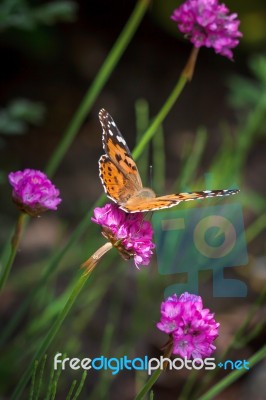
{"type": "Point", "coordinates": [148, 385]}
{"type": "Point", "coordinates": [55, 383]}
{"type": "Point", "coordinates": [237, 337]}
{"type": "Point", "coordinates": [49, 386]}
{"type": "Point", "coordinates": [193, 160]}
{"type": "Point", "coordinates": [40, 378]}
{"type": "Point", "coordinates": [51, 334]}
{"type": "Point", "coordinates": [100, 390]}
{"type": "Point", "coordinates": [254, 229]}
{"type": "Point", "coordinates": [247, 131]}
{"type": "Point", "coordinates": [15, 241]}
{"type": "Point", "coordinates": [71, 390]}
{"type": "Point", "coordinates": [80, 387]}
{"type": "Point", "coordinates": [233, 376]}
{"type": "Point", "coordinates": [33, 380]}
{"type": "Point", "coordinates": [51, 267]}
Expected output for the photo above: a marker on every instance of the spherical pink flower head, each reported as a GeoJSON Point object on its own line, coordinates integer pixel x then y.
{"type": "Point", "coordinates": [33, 192]}
{"type": "Point", "coordinates": [129, 233]}
{"type": "Point", "coordinates": [191, 327]}
{"type": "Point", "coordinates": [208, 23]}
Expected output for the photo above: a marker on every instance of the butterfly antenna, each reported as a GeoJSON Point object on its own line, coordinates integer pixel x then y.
{"type": "Point", "coordinates": [150, 176]}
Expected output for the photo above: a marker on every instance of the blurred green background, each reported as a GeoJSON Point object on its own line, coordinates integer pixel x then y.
{"type": "Point", "coordinates": [50, 54]}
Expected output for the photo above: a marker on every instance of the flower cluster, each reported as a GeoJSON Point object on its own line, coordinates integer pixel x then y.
{"type": "Point", "coordinates": [208, 23]}
{"type": "Point", "coordinates": [129, 233]}
{"type": "Point", "coordinates": [192, 328]}
{"type": "Point", "coordinates": [33, 192]}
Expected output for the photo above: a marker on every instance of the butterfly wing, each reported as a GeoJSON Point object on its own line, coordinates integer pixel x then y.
{"type": "Point", "coordinates": [124, 167]}
{"type": "Point", "coordinates": [121, 179]}
{"type": "Point", "coordinates": [116, 185]}
{"type": "Point", "coordinates": [151, 204]}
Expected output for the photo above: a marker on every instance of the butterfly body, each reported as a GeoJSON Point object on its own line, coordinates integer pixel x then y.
{"type": "Point", "coordinates": [121, 180]}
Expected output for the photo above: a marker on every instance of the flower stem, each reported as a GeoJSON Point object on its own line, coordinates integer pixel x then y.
{"type": "Point", "coordinates": [185, 76]}
{"type": "Point", "coordinates": [188, 71]}
{"type": "Point", "coordinates": [156, 374]}
{"type": "Point", "coordinates": [90, 264]}
{"type": "Point", "coordinates": [14, 247]}
{"type": "Point", "coordinates": [98, 83]}
{"type": "Point", "coordinates": [160, 116]}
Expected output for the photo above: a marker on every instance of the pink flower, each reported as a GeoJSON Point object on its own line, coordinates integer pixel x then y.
{"type": "Point", "coordinates": [129, 233]}
{"type": "Point", "coordinates": [192, 328]}
{"type": "Point", "coordinates": [208, 23]}
{"type": "Point", "coordinates": [33, 192]}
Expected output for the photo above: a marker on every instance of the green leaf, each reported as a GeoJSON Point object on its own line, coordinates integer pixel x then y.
{"type": "Point", "coordinates": [51, 13]}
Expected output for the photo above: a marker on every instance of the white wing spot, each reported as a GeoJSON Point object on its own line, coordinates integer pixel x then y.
{"type": "Point", "coordinates": [121, 140]}
{"type": "Point", "coordinates": [110, 132]}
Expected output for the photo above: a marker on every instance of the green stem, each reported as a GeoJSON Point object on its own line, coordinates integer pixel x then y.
{"type": "Point", "coordinates": [185, 76]}
{"type": "Point", "coordinates": [14, 247]}
{"type": "Point", "coordinates": [98, 83]}
{"type": "Point", "coordinates": [57, 324]}
{"type": "Point", "coordinates": [160, 116]}
{"type": "Point", "coordinates": [149, 384]}
{"type": "Point", "coordinates": [188, 386]}
{"type": "Point", "coordinates": [233, 376]}
{"type": "Point", "coordinates": [157, 373]}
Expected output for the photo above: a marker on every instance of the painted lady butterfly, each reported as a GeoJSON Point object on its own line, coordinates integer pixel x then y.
{"type": "Point", "coordinates": [121, 180]}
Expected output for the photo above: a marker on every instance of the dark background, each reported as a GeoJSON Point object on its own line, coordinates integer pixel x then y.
{"type": "Point", "coordinates": [56, 64]}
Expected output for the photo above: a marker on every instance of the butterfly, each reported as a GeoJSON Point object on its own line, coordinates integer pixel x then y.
{"type": "Point", "coordinates": [121, 180]}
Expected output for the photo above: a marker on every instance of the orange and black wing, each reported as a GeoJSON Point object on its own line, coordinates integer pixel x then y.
{"type": "Point", "coordinates": [171, 200]}
{"type": "Point", "coordinates": [118, 170]}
